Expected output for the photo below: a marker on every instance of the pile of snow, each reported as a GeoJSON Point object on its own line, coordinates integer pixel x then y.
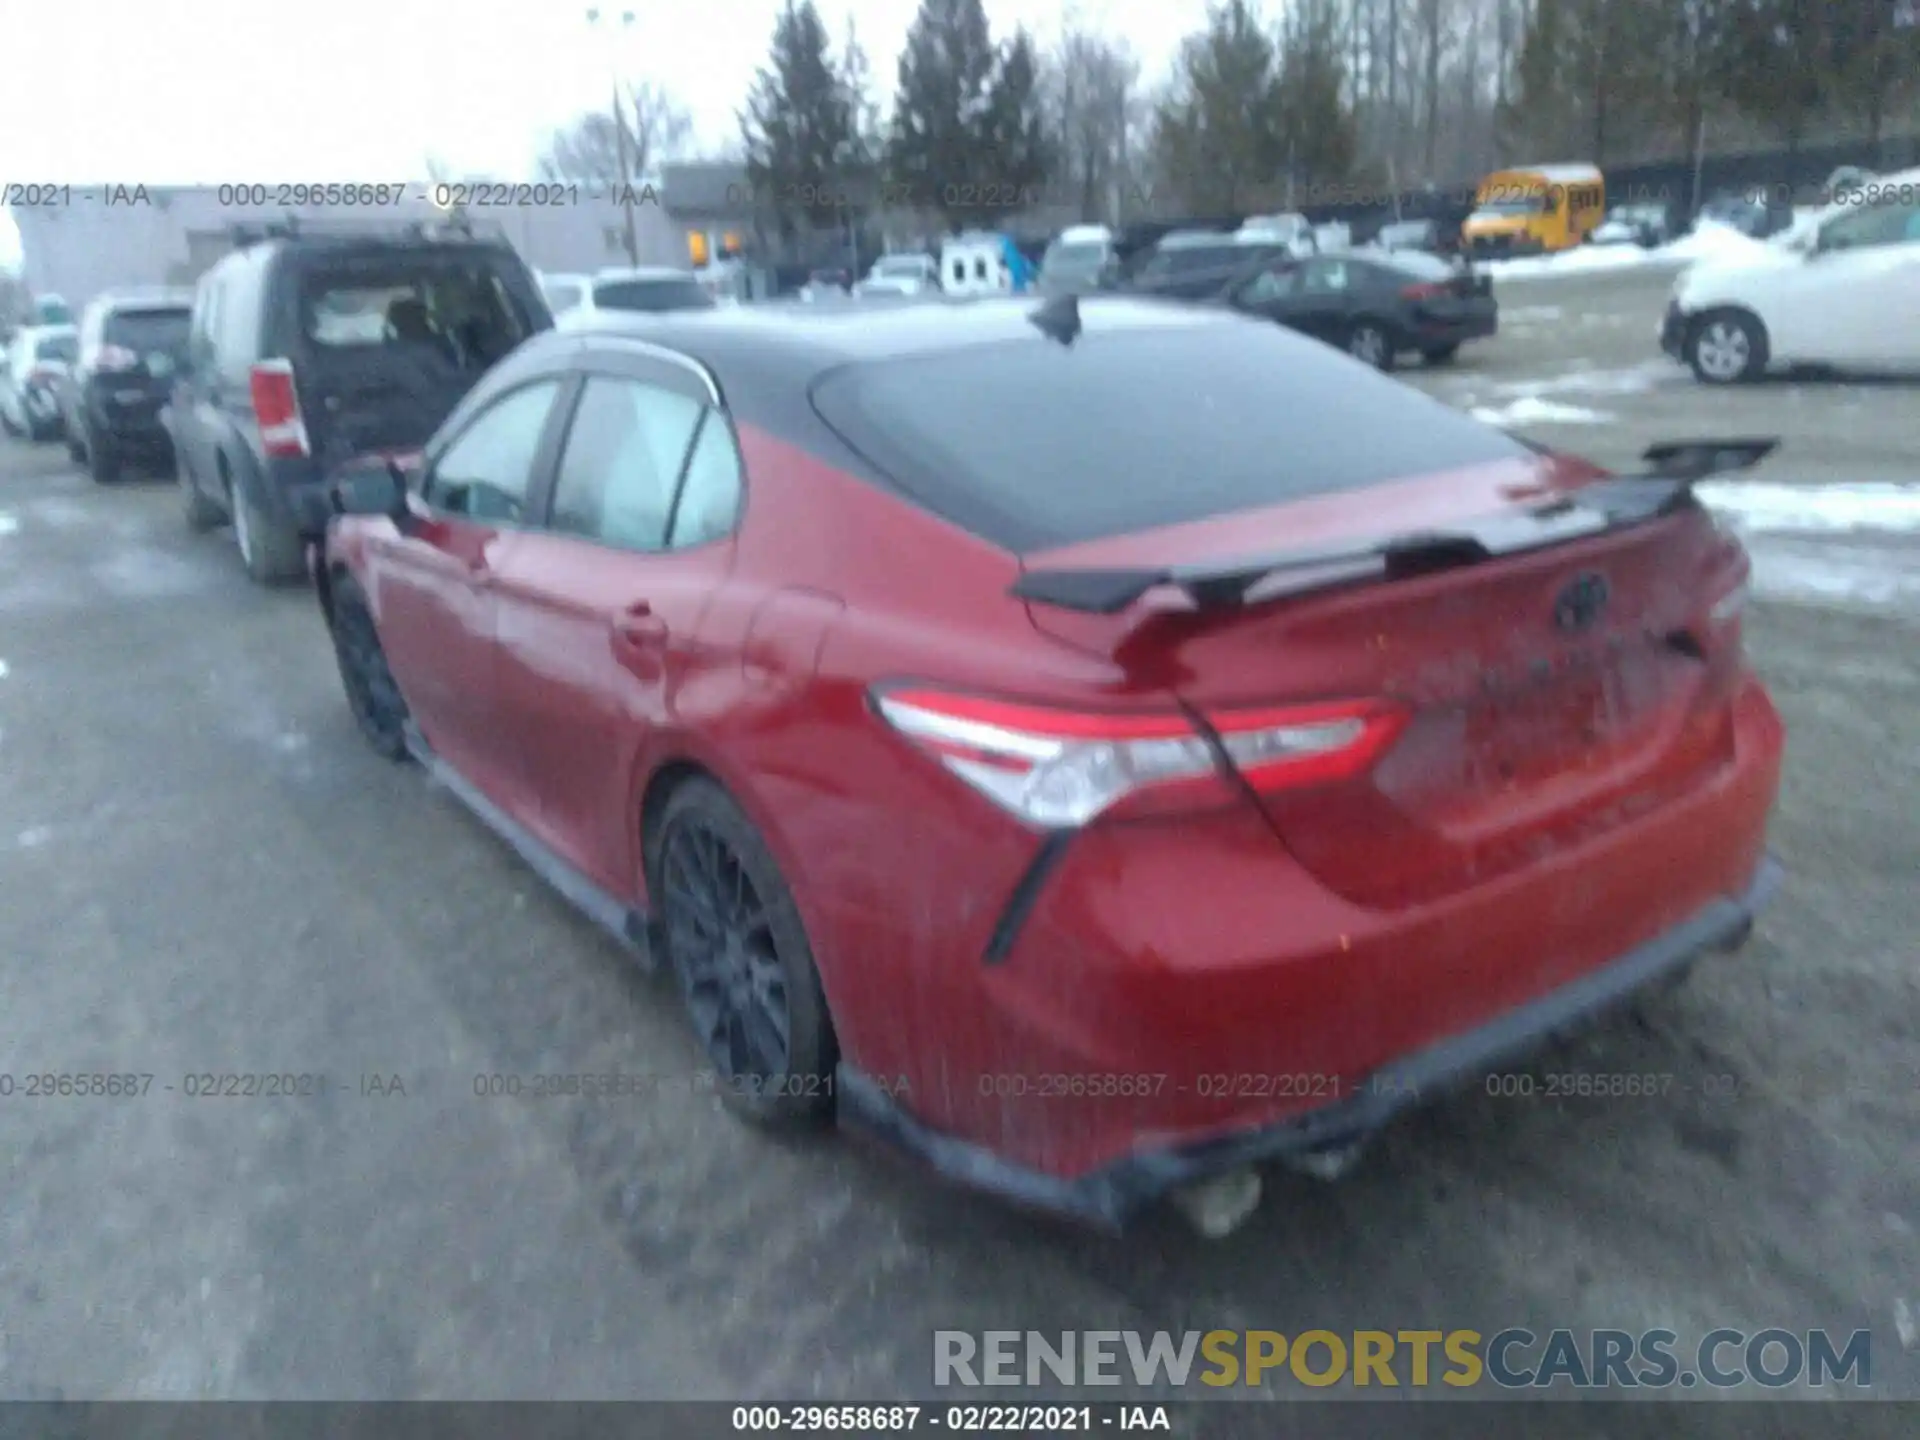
{"type": "Point", "coordinates": [1764, 506]}
{"type": "Point", "coordinates": [1709, 240]}
{"type": "Point", "coordinates": [1533, 410]}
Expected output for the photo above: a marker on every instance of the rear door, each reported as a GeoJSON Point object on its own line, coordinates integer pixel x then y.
{"type": "Point", "coordinates": [1309, 296]}
{"type": "Point", "coordinates": [600, 609]}
{"type": "Point", "coordinates": [433, 581]}
{"type": "Point", "coordinates": [387, 339]}
{"type": "Point", "coordinates": [1868, 267]}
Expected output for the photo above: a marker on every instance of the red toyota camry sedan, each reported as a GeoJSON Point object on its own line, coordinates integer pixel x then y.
{"type": "Point", "coordinates": [1102, 745]}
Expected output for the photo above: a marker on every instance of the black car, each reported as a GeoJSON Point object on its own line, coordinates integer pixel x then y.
{"type": "Point", "coordinates": [1375, 307]}
{"type": "Point", "coordinates": [131, 343]}
{"type": "Point", "coordinates": [308, 351]}
{"type": "Point", "coordinates": [1194, 266]}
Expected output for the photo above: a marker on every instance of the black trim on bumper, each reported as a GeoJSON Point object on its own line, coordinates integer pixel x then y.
{"type": "Point", "coordinates": [1108, 1198]}
{"type": "Point", "coordinates": [1026, 894]}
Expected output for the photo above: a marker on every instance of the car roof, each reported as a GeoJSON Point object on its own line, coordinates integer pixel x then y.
{"type": "Point", "coordinates": [802, 342]}
{"type": "Point", "coordinates": [1560, 174]}
{"type": "Point", "coordinates": [641, 272]}
{"type": "Point", "coordinates": [143, 299]}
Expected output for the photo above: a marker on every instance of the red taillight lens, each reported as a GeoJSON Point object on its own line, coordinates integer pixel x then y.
{"type": "Point", "coordinates": [283, 434]}
{"type": "Point", "coordinates": [116, 357]}
{"type": "Point", "coordinates": [1423, 292]}
{"type": "Point", "coordinates": [1059, 769]}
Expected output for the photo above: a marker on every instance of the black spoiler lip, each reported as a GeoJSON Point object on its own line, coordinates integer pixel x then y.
{"type": "Point", "coordinates": [1673, 468]}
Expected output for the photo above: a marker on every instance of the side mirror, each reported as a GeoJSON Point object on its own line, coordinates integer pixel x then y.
{"type": "Point", "coordinates": [371, 490]}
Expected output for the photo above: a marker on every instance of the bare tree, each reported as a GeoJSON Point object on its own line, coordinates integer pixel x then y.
{"type": "Point", "coordinates": [589, 150]}
{"type": "Point", "coordinates": [1094, 110]}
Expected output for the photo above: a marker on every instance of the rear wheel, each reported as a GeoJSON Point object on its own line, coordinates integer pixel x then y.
{"type": "Point", "coordinates": [270, 548]}
{"type": "Point", "coordinates": [745, 966]}
{"type": "Point", "coordinates": [1725, 347]}
{"type": "Point", "coordinates": [372, 693]}
{"type": "Point", "coordinates": [201, 513]}
{"type": "Point", "coordinates": [103, 461]}
{"type": "Point", "coordinates": [1368, 342]}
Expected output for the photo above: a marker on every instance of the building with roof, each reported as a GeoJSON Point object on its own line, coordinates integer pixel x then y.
{"type": "Point", "coordinates": [112, 237]}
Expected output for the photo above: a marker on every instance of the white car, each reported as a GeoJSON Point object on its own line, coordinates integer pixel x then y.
{"type": "Point", "coordinates": [1294, 232]}
{"type": "Point", "coordinates": [902, 274]}
{"type": "Point", "coordinates": [576, 299]}
{"type": "Point", "coordinates": [30, 376]}
{"type": "Point", "coordinates": [1840, 291]}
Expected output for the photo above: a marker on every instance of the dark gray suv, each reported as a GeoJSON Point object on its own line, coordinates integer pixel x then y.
{"type": "Point", "coordinates": [309, 351]}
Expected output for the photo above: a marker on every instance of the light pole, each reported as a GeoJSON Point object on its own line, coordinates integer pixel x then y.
{"type": "Point", "coordinates": [625, 20]}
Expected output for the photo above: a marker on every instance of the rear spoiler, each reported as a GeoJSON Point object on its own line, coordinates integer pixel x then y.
{"type": "Point", "coordinates": [1673, 468]}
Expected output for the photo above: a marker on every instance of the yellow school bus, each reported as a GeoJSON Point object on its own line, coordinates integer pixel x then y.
{"type": "Point", "coordinates": [1535, 209]}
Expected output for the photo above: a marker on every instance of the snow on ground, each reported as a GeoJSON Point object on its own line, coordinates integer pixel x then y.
{"type": "Point", "coordinates": [1707, 241]}
{"type": "Point", "coordinates": [1765, 506]}
{"type": "Point", "coordinates": [1532, 410]}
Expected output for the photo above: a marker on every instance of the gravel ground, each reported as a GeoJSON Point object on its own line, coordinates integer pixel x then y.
{"type": "Point", "coordinates": [202, 869]}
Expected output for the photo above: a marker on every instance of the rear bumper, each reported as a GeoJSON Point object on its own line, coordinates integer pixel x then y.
{"type": "Point", "coordinates": [1108, 1197]}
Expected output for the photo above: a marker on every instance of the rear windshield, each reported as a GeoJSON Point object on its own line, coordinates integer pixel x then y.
{"type": "Point", "coordinates": [1033, 444]}
{"type": "Point", "coordinates": [462, 310]}
{"type": "Point", "coordinates": [147, 331]}
{"type": "Point", "coordinates": [652, 295]}
{"type": "Point", "coordinates": [1420, 266]}
{"type": "Point", "coordinates": [56, 347]}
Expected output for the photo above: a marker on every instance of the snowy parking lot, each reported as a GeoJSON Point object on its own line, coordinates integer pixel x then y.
{"type": "Point", "coordinates": [207, 873]}
{"type": "Point", "coordinates": [1832, 517]}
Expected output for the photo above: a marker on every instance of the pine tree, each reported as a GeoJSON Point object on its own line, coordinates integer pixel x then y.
{"type": "Point", "coordinates": [800, 126]}
{"type": "Point", "coordinates": [940, 110]}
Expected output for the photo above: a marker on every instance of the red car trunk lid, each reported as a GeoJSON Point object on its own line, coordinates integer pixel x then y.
{"type": "Point", "coordinates": [1525, 731]}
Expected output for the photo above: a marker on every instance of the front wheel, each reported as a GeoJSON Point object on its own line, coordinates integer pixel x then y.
{"type": "Point", "coordinates": [372, 693]}
{"type": "Point", "coordinates": [103, 463]}
{"type": "Point", "coordinates": [270, 549]}
{"type": "Point", "coordinates": [735, 940]}
{"type": "Point", "coordinates": [1368, 343]}
{"type": "Point", "coordinates": [1725, 347]}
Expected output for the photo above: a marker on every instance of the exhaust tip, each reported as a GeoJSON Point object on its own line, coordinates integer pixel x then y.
{"type": "Point", "coordinates": [1219, 1206]}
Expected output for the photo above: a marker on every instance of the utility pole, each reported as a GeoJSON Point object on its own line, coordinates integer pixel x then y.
{"type": "Point", "coordinates": [622, 150]}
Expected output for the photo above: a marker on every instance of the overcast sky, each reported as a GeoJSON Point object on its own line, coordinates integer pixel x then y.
{"type": "Point", "coordinates": [224, 91]}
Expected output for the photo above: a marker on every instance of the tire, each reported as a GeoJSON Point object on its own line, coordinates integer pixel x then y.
{"type": "Point", "coordinates": [102, 461]}
{"type": "Point", "coordinates": [270, 549]}
{"type": "Point", "coordinates": [202, 515]}
{"type": "Point", "coordinates": [6, 424]}
{"type": "Point", "coordinates": [732, 935]}
{"type": "Point", "coordinates": [1726, 347]}
{"type": "Point", "coordinates": [373, 696]}
{"type": "Point", "coordinates": [1371, 344]}
{"type": "Point", "coordinates": [1440, 354]}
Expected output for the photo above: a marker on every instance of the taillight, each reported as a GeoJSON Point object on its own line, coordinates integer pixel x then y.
{"type": "Point", "coordinates": [116, 357]}
{"type": "Point", "coordinates": [283, 434]}
{"type": "Point", "coordinates": [1423, 292]}
{"type": "Point", "coordinates": [1059, 769]}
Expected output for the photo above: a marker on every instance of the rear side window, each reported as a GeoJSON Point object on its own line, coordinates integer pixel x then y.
{"type": "Point", "coordinates": [1033, 444]}
{"type": "Point", "coordinates": [621, 463]}
{"type": "Point", "coordinates": [1415, 266]}
{"type": "Point", "coordinates": [459, 312]}
{"type": "Point", "coordinates": [148, 332]}
{"type": "Point", "coordinates": [652, 295]}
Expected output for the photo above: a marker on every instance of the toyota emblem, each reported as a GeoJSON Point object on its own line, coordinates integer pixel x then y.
{"type": "Point", "coordinates": [1581, 603]}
